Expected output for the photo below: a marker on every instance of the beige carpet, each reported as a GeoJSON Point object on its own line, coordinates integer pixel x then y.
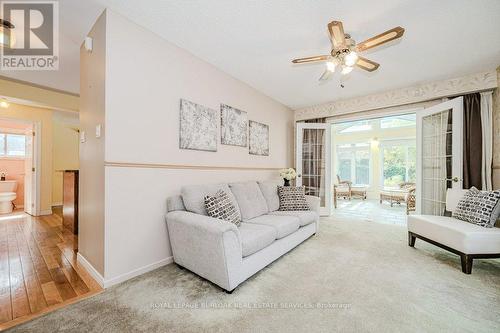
{"type": "Point", "coordinates": [353, 276]}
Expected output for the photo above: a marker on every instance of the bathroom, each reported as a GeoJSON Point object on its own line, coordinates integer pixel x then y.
{"type": "Point", "coordinates": [13, 164]}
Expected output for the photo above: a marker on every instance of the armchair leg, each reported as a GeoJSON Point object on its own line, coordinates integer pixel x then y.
{"type": "Point", "coordinates": [466, 263]}
{"type": "Point", "coordinates": [411, 239]}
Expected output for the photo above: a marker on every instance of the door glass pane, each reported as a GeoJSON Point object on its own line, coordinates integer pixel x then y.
{"type": "Point", "coordinates": [436, 161]}
{"type": "Point", "coordinates": [313, 163]}
{"type": "Point", "coordinates": [362, 167]}
{"type": "Point", "coordinates": [399, 163]}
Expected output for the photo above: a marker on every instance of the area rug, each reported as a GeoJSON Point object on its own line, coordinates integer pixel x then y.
{"type": "Point", "coordinates": [353, 276]}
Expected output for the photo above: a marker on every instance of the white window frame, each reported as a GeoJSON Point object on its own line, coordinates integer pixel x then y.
{"type": "Point", "coordinates": [391, 143]}
{"type": "Point", "coordinates": [7, 132]}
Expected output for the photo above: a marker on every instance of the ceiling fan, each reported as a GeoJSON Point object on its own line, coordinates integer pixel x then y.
{"type": "Point", "coordinates": [345, 50]}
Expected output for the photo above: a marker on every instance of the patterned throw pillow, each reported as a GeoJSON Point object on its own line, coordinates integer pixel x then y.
{"type": "Point", "coordinates": [221, 207]}
{"type": "Point", "coordinates": [292, 198]}
{"type": "Point", "coordinates": [479, 207]}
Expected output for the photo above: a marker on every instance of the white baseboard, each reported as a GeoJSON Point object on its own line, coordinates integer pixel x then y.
{"type": "Point", "coordinates": [137, 272]}
{"type": "Point", "coordinates": [90, 269]}
{"type": "Point", "coordinates": [106, 283]}
{"type": "Point", "coordinates": [57, 204]}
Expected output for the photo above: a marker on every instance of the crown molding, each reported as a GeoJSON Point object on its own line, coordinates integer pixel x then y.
{"type": "Point", "coordinates": [409, 95]}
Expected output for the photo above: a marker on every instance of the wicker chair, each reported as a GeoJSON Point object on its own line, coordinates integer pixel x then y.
{"type": "Point", "coordinates": [410, 200]}
{"type": "Point", "coordinates": [341, 190]}
{"type": "Point", "coordinates": [405, 193]}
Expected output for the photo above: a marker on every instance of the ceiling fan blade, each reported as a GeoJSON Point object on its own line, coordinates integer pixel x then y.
{"type": "Point", "coordinates": [325, 76]}
{"type": "Point", "coordinates": [336, 30]}
{"type": "Point", "coordinates": [311, 59]}
{"type": "Point", "coordinates": [384, 37]}
{"type": "Point", "coordinates": [367, 65]}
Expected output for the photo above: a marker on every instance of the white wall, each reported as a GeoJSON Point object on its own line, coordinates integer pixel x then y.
{"type": "Point", "coordinates": [146, 77]}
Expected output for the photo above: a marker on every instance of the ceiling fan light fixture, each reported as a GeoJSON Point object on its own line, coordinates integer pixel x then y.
{"type": "Point", "coordinates": [330, 65]}
{"type": "Point", "coordinates": [7, 36]}
{"type": "Point", "coordinates": [346, 70]}
{"type": "Point", "coordinates": [351, 58]}
{"type": "Point", "coordinates": [4, 104]}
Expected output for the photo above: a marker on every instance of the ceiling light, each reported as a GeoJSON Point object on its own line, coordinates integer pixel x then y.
{"type": "Point", "coordinates": [351, 58]}
{"type": "Point", "coordinates": [7, 36]}
{"type": "Point", "coordinates": [330, 65]}
{"type": "Point", "coordinates": [346, 70]}
{"type": "Point", "coordinates": [4, 104]}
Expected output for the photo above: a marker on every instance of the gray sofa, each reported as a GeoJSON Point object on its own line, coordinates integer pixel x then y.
{"type": "Point", "coordinates": [228, 255]}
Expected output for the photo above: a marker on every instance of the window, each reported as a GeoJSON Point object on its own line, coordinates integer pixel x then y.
{"type": "Point", "coordinates": [399, 163]}
{"type": "Point", "coordinates": [405, 120]}
{"type": "Point", "coordinates": [354, 126]}
{"type": "Point", "coordinates": [353, 163]}
{"type": "Point", "coordinates": [12, 145]}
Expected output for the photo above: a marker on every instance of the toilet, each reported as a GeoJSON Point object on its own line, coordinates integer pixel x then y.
{"type": "Point", "coordinates": [7, 195]}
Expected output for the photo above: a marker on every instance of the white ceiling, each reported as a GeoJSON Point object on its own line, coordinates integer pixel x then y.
{"type": "Point", "coordinates": [255, 41]}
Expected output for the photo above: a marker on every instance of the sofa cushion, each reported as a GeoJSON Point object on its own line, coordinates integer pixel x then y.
{"type": "Point", "coordinates": [255, 237]}
{"type": "Point", "coordinates": [193, 196]}
{"type": "Point", "coordinates": [284, 225]}
{"type": "Point", "coordinates": [305, 216]}
{"type": "Point", "coordinates": [250, 199]}
{"type": "Point", "coordinates": [270, 191]}
{"type": "Point", "coordinates": [221, 207]}
{"type": "Point", "coordinates": [478, 207]}
{"type": "Point", "coordinates": [292, 198]}
{"type": "Point", "coordinates": [459, 235]}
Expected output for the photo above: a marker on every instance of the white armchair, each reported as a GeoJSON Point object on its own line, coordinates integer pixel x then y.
{"type": "Point", "coordinates": [468, 240]}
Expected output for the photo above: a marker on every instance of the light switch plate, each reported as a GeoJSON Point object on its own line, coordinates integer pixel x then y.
{"type": "Point", "coordinates": [83, 137]}
{"type": "Point", "coordinates": [98, 129]}
{"type": "Point", "coordinates": [88, 44]}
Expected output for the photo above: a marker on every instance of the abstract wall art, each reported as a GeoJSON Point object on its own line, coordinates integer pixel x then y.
{"type": "Point", "coordinates": [259, 138]}
{"type": "Point", "coordinates": [198, 127]}
{"type": "Point", "coordinates": [234, 126]}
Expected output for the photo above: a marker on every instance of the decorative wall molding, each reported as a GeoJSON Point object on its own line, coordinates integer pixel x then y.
{"type": "Point", "coordinates": [414, 94]}
{"type": "Point", "coordinates": [181, 166]}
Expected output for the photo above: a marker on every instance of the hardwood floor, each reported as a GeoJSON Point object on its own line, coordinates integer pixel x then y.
{"type": "Point", "coordinates": [38, 267]}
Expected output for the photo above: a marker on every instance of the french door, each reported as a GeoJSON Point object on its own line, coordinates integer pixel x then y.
{"type": "Point", "coordinates": [439, 154]}
{"type": "Point", "coordinates": [313, 160]}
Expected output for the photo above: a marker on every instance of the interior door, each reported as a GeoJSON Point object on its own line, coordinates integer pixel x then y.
{"type": "Point", "coordinates": [314, 162]}
{"type": "Point", "coordinates": [439, 154]}
{"type": "Point", "coordinates": [29, 174]}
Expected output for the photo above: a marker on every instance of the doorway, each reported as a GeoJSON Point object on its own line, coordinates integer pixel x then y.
{"type": "Point", "coordinates": [383, 168]}
{"type": "Point", "coordinates": [19, 163]}
{"type": "Point", "coordinates": [374, 168]}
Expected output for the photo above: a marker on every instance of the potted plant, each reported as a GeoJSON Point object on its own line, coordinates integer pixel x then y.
{"type": "Point", "coordinates": [287, 175]}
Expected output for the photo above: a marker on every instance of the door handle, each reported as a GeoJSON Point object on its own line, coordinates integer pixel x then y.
{"type": "Point", "coordinates": [454, 179]}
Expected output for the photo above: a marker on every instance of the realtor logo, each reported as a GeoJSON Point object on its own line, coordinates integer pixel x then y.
{"type": "Point", "coordinates": [30, 39]}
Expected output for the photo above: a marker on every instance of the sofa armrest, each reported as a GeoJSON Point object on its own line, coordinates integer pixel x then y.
{"type": "Point", "coordinates": [207, 246]}
{"type": "Point", "coordinates": [313, 203]}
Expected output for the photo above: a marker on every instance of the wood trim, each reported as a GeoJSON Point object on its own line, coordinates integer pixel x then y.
{"type": "Point", "coordinates": [39, 86]}
{"type": "Point", "coordinates": [183, 166]}
{"type": "Point", "coordinates": [408, 95]}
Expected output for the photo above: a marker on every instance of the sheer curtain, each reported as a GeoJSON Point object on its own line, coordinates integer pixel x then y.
{"type": "Point", "coordinates": [487, 135]}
